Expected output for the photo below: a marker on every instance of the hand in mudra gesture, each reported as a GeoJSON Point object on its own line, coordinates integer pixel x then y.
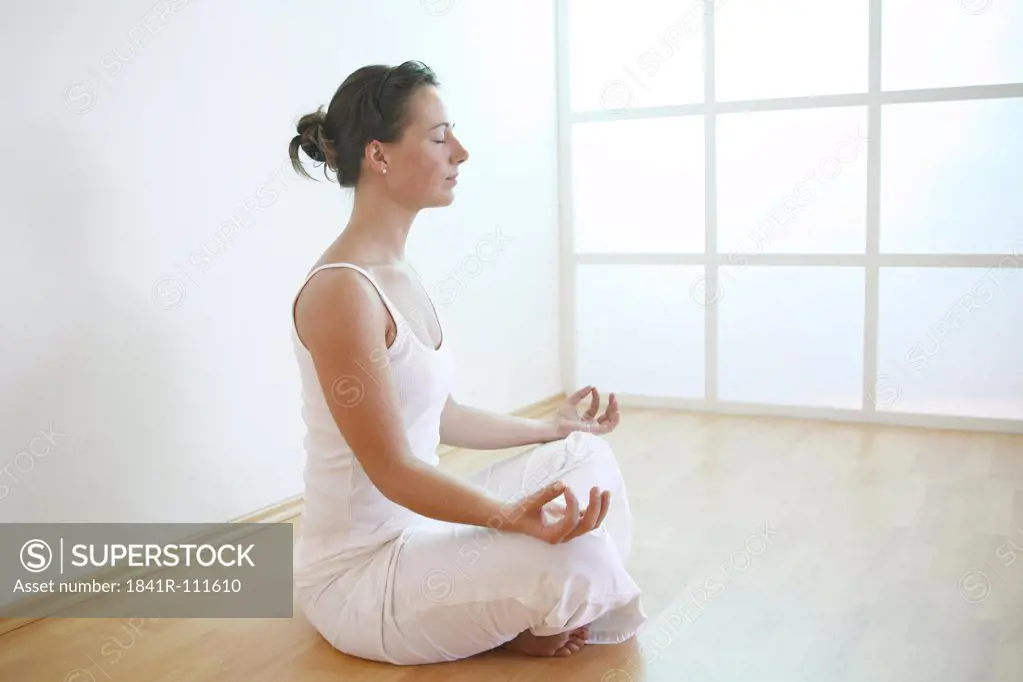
{"type": "Point", "coordinates": [567, 419]}
{"type": "Point", "coordinates": [529, 516]}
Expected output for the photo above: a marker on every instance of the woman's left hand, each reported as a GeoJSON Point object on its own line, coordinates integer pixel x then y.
{"type": "Point", "coordinates": [567, 418]}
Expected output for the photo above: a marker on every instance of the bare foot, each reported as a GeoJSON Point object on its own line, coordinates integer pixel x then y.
{"type": "Point", "coordinates": [564, 644]}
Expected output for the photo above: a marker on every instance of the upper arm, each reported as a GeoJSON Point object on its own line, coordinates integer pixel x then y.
{"type": "Point", "coordinates": [342, 321]}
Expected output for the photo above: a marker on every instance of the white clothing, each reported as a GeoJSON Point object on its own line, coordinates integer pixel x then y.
{"type": "Point", "coordinates": [381, 582]}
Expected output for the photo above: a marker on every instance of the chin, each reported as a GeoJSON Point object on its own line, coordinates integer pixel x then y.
{"type": "Point", "coordinates": [444, 199]}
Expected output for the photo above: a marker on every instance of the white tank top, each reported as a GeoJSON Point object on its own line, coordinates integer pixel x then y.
{"type": "Point", "coordinates": [345, 517]}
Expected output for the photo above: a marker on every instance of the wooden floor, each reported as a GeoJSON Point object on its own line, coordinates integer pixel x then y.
{"type": "Point", "coordinates": [768, 550]}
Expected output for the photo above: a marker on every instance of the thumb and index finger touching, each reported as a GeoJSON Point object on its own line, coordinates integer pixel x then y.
{"type": "Point", "coordinates": [548, 493]}
{"type": "Point", "coordinates": [577, 397]}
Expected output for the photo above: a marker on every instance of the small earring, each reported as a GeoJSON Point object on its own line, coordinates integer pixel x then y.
{"type": "Point", "coordinates": [385, 170]}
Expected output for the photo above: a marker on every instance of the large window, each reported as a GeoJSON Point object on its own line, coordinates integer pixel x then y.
{"type": "Point", "coordinates": [796, 207]}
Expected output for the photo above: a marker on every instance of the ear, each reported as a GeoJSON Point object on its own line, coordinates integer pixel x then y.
{"type": "Point", "coordinates": [376, 157]}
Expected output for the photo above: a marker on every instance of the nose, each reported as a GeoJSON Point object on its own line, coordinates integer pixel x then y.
{"type": "Point", "coordinates": [461, 154]}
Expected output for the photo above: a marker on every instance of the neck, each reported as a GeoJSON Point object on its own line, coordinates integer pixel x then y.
{"type": "Point", "coordinates": [379, 226]}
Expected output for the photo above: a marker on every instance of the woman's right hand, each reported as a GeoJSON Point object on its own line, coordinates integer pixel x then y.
{"type": "Point", "coordinates": [528, 516]}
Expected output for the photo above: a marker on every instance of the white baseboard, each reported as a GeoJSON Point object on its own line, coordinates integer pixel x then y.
{"type": "Point", "coordinates": [879, 417]}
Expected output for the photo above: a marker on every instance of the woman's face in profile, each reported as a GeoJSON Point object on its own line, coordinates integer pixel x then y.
{"type": "Point", "coordinates": [423, 164]}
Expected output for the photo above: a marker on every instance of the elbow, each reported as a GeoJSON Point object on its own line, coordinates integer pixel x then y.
{"type": "Point", "coordinates": [395, 482]}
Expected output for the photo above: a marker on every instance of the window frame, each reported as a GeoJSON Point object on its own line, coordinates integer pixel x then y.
{"type": "Point", "coordinates": [869, 262]}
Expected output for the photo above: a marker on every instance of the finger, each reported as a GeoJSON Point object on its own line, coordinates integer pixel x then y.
{"type": "Point", "coordinates": [579, 395]}
{"type": "Point", "coordinates": [544, 495]}
{"type": "Point", "coordinates": [612, 411]}
{"type": "Point", "coordinates": [611, 420]}
{"type": "Point", "coordinates": [611, 423]}
{"type": "Point", "coordinates": [586, 523]}
{"type": "Point", "coordinates": [571, 518]}
{"type": "Point", "coordinates": [599, 511]}
{"type": "Point", "coordinates": [612, 407]}
{"type": "Point", "coordinates": [594, 404]}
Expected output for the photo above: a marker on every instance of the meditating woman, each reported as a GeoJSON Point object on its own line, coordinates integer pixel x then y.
{"type": "Point", "coordinates": [398, 561]}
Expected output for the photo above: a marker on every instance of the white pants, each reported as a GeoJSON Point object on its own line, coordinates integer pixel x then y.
{"type": "Point", "coordinates": [444, 591]}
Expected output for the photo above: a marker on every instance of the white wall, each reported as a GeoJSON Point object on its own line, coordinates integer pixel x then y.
{"type": "Point", "coordinates": [169, 378]}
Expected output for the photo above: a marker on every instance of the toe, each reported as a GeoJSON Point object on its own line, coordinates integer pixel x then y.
{"type": "Point", "coordinates": [569, 648]}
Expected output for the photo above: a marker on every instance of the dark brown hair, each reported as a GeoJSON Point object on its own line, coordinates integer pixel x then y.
{"type": "Point", "coordinates": [371, 104]}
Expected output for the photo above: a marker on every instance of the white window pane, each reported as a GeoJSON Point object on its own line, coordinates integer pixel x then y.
{"type": "Point", "coordinates": [949, 340]}
{"type": "Point", "coordinates": [928, 44]}
{"type": "Point", "coordinates": [637, 330]}
{"type": "Point", "coordinates": [792, 181]}
{"type": "Point", "coordinates": [951, 175]}
{"type": "Point", "coordinates": [641, 53]}
{"type": "Point", "coordinates": [790, 48]}
{"type": "Point", "coordinates": [638, 185]}
{"type": "Point", "coordinates": [791, 335]}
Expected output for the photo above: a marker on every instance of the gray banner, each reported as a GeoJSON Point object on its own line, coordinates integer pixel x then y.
{"type": "Point", "coordinates": [146, 570]}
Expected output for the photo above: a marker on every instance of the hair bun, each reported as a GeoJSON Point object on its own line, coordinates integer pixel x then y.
{"type": "Point", "coordinates": [311, 136]}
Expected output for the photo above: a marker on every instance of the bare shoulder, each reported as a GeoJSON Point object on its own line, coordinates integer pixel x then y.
{"type": "Point", "coordinates": [337, 301]}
